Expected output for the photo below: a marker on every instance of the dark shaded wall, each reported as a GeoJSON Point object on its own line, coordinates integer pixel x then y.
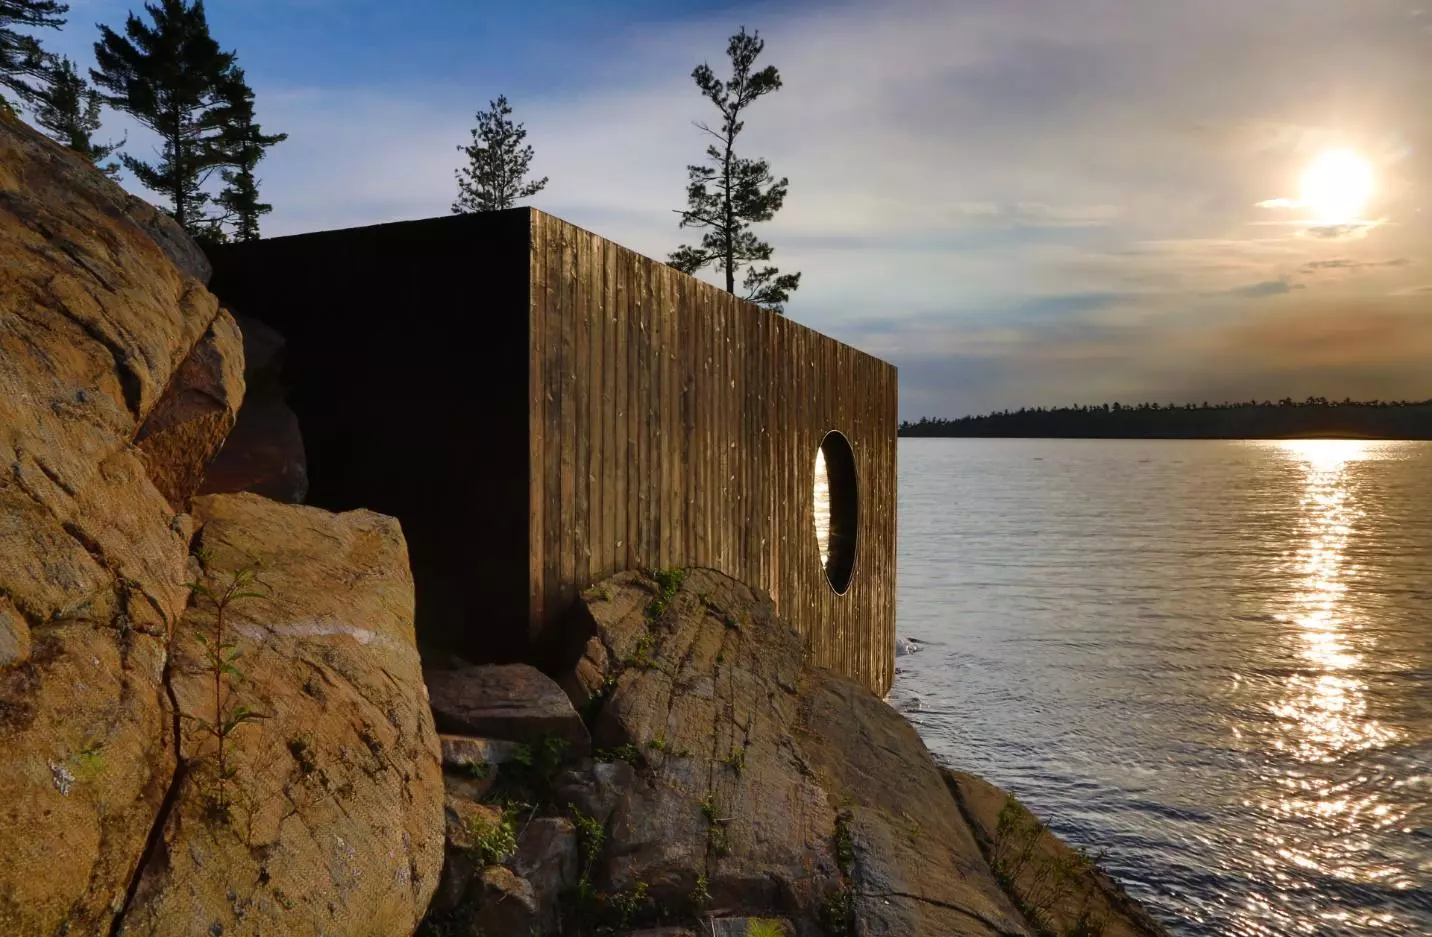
{"type": "Point", "coordinates": [407, 367]}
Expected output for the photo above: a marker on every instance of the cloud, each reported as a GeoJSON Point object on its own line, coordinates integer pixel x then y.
{"type": "Point", "coordinates": [1267, 288]}
{"type": "Point", "coordinates": [1414, 290]}
{"type": "Point", "coordinates": [1279, 203]}
{"type": "Point", "coordinates": [1346, 263]}
{"type": "Point", "coordinates": [1346, 231]}
{"type": "Point", "coordinates": [1037, 214]}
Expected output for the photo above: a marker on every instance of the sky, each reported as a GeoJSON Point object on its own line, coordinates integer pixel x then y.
{"type": "Point", "coordinates": [1018, 203]}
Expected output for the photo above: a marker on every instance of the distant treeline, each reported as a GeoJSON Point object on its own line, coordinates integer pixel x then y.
{"type": "Point", "coordinates": [1316, 416]}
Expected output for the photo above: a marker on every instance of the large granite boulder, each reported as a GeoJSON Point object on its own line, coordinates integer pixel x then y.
{"type": "Point", "coordinates": [325, 814]}
{"type": "Point", "coordinates": [761, 787]}
{"type": "Point", "coordinates": [119, 375]}
{"type": "Point", "coordinates": [95, 320]}
{"type": "Point", "coordinates": [707, 689]}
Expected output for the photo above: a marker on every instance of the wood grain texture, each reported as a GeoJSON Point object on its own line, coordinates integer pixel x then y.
{"type": "Point", "coordinates": [688, 423]}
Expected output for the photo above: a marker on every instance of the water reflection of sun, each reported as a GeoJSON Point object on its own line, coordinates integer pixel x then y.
{"type": "Point", "coordinates": [1323, 713]}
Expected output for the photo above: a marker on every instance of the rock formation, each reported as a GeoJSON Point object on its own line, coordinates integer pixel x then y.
{"type": "Point", "coordinates": [119, 378]}
{"type": "Point", "coordinates": [736, 789]}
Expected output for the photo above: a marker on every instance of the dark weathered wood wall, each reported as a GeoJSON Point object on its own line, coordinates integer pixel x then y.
{"type": "Point", "coordinates": [405, 364]}
{"type": "Point", "coordinates": [674, 425]}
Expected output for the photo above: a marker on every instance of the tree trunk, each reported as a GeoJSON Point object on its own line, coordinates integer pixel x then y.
{"type": "Point", "coordinates": [730, 221]}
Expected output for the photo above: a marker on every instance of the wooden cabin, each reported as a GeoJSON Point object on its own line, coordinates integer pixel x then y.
{"type": "Point", "coordinates": [541, 408]}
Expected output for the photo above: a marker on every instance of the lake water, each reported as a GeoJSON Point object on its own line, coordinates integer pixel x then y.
{"type": "Point", "coordinates": [1211, 660]}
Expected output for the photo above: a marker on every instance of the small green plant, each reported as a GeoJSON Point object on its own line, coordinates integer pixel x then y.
{"type": "Point", "coordinates": [716, 835]}
{"type": "Point", "coordinates": [590, 837]}
{"type": "Point", "coordinates": [764, 927]}
{"type": "Point", "coordinates": [1086, 925]}
{"type": "Point", "coordinates": [700, 893]}
{"type": "Point", "coordinates": [669, 582]}
{"type": "Point", "coordinates": [478, 770]}
{"type": "Point", "coordinates": [844, 843]}
{"type": "Point", "coordinates": [732, 623]}
{"type": "Point", "coordinates": [837, 913]}
{"type": "Point", "coordinates": [659, 743]}
{"type": "Point", "coordinates": [627, 904]}
{"type": "Point", "coordinates": [90, 760]}
{"type": "Point", "coordinates": [640, 656]}
{"type": "Point", "coordinates": [531, 770]}
{"type": "Point", "coordinates": [594, 702]}
{"type": "Point", "coordinates": [736, 761]}
{"type": "Point", "coordinates": [221, 655]}
{"type": "Point", "coordinates": [1037, 881]}
{"type": "Point", "coordinates": [493, 842]}
{"type": "Point", "coordinates": [626, 752]}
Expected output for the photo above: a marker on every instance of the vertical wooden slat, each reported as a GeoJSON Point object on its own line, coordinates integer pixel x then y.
{"type": "Point", "coordinates": [656, 438]}
{"type": "Point", "coordinates": [552, 464]}
{"type": "Point", "coordinates": [621, 378]}
{"type": "Point", "coordinates": [570, 421]}
{"type": "Point", "coordinates": [635, 405]}
{"type": "Point", "coordinates": [675, 407]}
{"type": "Point", "coordinates": [536, 423]}
{"type": "Point", "coordinates": [608, 472]}
{"type": "Point", "coordinates": [597, 408]}
{"type": "Point", "coordinates": [690, 394]}
{"type": "Point", "coordinates": [661, 422]}
{"type": "Point", "coordinates": [707, 499]}
{"type": "Point", "coordinates": [645, 402]}
{"type": "Point", "coordinates": [580, 314]}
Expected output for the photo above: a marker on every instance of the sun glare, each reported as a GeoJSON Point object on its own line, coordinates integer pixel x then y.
{"type": "Point", "coordinates": [1337, 186]}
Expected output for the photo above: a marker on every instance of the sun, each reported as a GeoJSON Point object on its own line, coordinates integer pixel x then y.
{"type": "Point", "coordinates": [1337, 186]}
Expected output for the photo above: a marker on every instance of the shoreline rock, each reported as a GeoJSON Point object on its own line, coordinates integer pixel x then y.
{"type": "Point", "coordinates": [733, 782]}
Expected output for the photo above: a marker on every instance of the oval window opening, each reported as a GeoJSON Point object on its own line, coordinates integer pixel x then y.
{"type": "Point", "coordinates": [836, 509]}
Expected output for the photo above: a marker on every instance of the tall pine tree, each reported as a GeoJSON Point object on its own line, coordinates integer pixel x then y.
{"type": "Point", "coordinates": [497, 163]}
{"type": "Point", "coordinates": [731, 193]}
{"type": "Point", "coordinates": [243, 143]}
{"type": "Point", "coordinates": [25, 68]}
{"type": "Point", "coordinates": [69, 111]}
{"type": "Point", "coordinates": [173, 78]}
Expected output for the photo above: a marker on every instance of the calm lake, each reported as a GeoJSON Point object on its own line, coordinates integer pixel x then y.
{"type": "Point", "coordinates": [1211, 660]}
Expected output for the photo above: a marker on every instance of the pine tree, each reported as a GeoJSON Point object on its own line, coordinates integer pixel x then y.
{"type": "Point", "coordinates": [497, 163]}
{"type": "Point", "coordinates": [69, 111]}
{"type": "Point", "coordinates": [732, 193]}
{"type": "Point", "coordinates": [172, 77]}
{"type": "Point", "coordinates": [25, 68]}
{"type": "Point", "coordinates": [243, 143]}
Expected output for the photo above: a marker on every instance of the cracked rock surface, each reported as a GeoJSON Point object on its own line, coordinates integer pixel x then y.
{"type": "Point", "coordinates": [119, 378]}
{"type": "Point", "coordinates": [95, 320]}
{"type": "Point", "coordinates": [334, 795]}
{"type": "Point", "coordinates": [780, 789]}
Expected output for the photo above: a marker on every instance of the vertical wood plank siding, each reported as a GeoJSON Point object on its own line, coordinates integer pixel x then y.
{"type": "Point", "coordinates": [674, 425]}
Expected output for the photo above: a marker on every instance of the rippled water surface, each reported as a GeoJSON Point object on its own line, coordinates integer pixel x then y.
{"type": "Point", "coordinates": [1211, 660]}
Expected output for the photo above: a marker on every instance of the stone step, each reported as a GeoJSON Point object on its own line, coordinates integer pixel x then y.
{"type": "Point", "coordinates": [509, 702]}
